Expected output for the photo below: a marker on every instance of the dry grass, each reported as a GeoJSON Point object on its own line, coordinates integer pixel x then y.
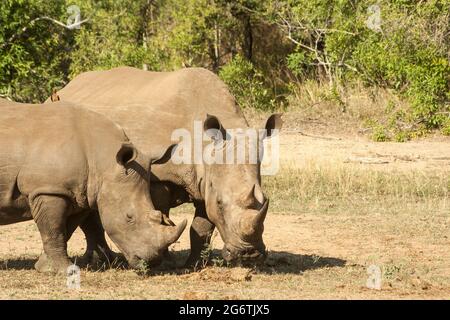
{"type": "Point", "coordinates": [328, 221]}
{"type": "Point", "coordinates": [326, 226]}
{"type": "Point", "coordinates": [313, 106]}
{"type": "Point", "coordinates": [294, 187]}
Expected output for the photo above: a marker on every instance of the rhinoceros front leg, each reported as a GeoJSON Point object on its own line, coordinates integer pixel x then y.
{"type": "Point", "coordinates": [200, 234]}
{"type": "Point", "coordinates": [73, 222]}
{"type": "Point", "coordinates": [97, 248]}
{"type": "Point", "coordinates": [50, 214]}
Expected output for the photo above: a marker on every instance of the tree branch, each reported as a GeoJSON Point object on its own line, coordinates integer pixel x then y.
{"type": "Point", "coordinates": [32, 22]}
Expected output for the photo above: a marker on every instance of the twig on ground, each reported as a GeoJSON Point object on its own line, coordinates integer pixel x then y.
{"type": "Point", "coordinates": [365, 160]}
{"type": "Point", "coordinates": [318, 137]}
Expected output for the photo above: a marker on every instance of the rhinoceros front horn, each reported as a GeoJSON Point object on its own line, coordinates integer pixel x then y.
{"type": "Point", "coordinates": [262, 213]}
{"type": "Point", "coordinates": [252, 221]}
{"type": "Point", "coordinates": [173, 233]}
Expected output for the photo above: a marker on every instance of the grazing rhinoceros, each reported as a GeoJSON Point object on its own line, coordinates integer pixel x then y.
{"type": "Point", "coordinates": [150, 106]}
{"type": "Point", "coordinates": [61, 165]}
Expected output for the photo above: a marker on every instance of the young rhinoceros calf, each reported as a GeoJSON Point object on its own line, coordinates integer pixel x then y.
{"type": "Point", "coordinates": [60, 165]}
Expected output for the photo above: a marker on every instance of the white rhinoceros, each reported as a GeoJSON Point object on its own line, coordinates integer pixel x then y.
{"type": "Point", "coordinates": [150, 106]}
{"type": "Point", "coordinates": [63, 166]}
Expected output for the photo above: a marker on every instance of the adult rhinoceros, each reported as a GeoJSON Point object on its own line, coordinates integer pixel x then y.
{"type": "Point", "coordinates": [62, 165]}
{"type": "Point", "coordinates": [150, 106]}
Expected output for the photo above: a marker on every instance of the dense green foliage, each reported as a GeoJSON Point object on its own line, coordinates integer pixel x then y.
{"type": "Point", "coordinates": [261, 49]}
{"type": "Point", "coordinates": [33, 53]}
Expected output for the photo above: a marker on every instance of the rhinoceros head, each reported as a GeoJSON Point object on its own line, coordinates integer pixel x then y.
{"type": "Point", "coordinates": [234, 199]}
{"type": "Point", "coordinates": [127, 212]}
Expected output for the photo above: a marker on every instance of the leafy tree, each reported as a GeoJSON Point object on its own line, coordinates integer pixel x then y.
{"type": "Point", "coordinates": [113, 36]}
{"type": "Point", "coordinates": [33, 50]}
{"type": "Point", "coordinates": [261, 49]}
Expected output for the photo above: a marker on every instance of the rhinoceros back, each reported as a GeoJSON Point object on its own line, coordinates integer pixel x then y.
{"type": "Point", "coordinates": [151, 105]}
{"type": "Point", "coordinates": [50, 146]}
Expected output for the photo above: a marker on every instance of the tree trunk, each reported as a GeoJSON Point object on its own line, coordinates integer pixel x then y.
{"type": "Point", "coordinates": [247, 45]}
{"type": "Point", "coordinates": [146, 14]}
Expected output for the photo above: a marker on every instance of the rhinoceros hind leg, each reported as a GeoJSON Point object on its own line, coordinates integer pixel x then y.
{"type": "Point", "coordinates": [49, 213]}
{"type": "Point", "coordinates": [97, 251]}
{"type": "Point", "coordinates": [200, 234]}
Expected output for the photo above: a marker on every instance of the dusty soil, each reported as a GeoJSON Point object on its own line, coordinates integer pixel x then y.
{"type": "Point", "coordinates": [312, 256]}
{"type": "Point", "coordinates": [300, 147]}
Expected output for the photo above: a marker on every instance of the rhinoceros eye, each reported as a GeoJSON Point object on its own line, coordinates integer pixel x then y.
{"type": "Point", "coordinates": [130, 218]}
{"type": "Point", "coordinates": [220, 203]}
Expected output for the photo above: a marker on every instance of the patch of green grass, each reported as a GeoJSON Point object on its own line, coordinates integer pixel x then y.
{"type": "Point", "coordinates": [379, 134]}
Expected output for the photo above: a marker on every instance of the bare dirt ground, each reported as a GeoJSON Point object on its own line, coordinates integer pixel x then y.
{"type": "Point", "coordinates": [311, 255]}
{"type": "Point", "coordinates": [300, 147]}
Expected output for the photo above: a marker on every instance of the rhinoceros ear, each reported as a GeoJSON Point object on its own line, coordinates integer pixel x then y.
{"type": "Point", "coordinates": [273, 124]}
{"type": "Point", "coordinates": [163, 157]}
{"type": "Point", "coordinates": [213, 128]}
{"type": "Point", "coordinates": [126, 154]}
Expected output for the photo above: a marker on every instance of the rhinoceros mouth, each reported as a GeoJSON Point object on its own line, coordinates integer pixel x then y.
{"type": "Point", "coordinates": [138, 263]}
{"type": "Point", "coordinates": [246, 256]}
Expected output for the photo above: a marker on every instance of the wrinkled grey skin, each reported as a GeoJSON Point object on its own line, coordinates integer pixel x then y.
{"type": "Point", "coordinates": [150, 106]}
{"type": "Point", "coordinates": [66, 166]}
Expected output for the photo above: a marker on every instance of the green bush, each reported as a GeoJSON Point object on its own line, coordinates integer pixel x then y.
{"type": "Point", "coordinates": [419, 75]}
{"type": "Point", "coordinates": [246, 84]}
{"type": "Point", "coordinates": [446, 127]}
{"type": "Point", "coordinates": [409, 52]}
{"type": "Point", "coordinates": [259, 48]}
{"type": "Point", "coordinates": [407, 58]}
{"type": "Point", "coordinates": [33, 57]}
{"type": "Point", "coordinates": [402, 136]}
{"type": "Point", "coordinates": [379, 134]}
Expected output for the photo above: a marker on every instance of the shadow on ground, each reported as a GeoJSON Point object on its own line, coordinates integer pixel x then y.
{"type": "Point", "coordinates": [293, 263]}
{"type": "Point", "coordinates": [17, 264]}
{"type": "Point", "coordinates": [276, 262]}
{"type": "Point", "coordinates": [28, 264]}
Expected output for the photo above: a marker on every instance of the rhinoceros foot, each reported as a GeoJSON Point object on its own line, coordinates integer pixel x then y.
{"type": "Point", "coordinates": [47, 265]}
{"type": "Point", "coordinates": [169, 261]}
{"type": "Point", "coordinates": [193, 261]}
